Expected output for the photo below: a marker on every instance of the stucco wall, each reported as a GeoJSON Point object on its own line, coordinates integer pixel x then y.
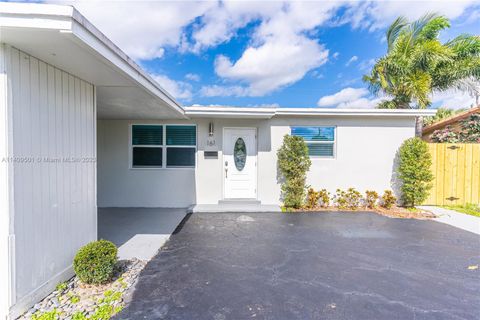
{"type": "Point", "coordinates": [53, 187]}
{"type": "Point", "coordinates": [365, 153]}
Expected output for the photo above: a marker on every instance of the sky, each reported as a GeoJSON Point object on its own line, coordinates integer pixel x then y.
{"type": "Point", "coordinates": [270, 53]}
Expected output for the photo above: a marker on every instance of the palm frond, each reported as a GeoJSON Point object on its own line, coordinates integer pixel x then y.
{"type": "Point", "coordinates": [394, 30]}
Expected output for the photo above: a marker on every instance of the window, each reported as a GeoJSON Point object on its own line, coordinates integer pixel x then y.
{"type": "Point", "coordinates": [320, 140]}
{"type": "Point", "coordinates": [160, 146]}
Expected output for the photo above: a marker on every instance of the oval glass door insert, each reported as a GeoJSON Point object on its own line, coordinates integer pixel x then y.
{"type": "Point", "coordinates": [240, 154]}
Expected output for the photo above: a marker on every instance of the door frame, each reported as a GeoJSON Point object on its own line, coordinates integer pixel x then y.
{"type": "Point", "coordinates": [222, 164]}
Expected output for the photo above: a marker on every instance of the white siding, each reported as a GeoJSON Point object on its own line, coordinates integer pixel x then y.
{"type": "Point", "coordinates": [54, 141]}
{"type": "Point", "coordinates": [365, 156]}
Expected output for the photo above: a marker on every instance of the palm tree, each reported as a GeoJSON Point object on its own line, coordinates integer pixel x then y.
{"type": "Point", "coordinates": [417, 64]}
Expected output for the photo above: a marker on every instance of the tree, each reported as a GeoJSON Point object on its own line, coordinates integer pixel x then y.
{"type": "Point", "coordinates": [442, 113]}
{"type": "Point", "coordinates": [417, 63]}
{"type": "Point", "coordinates": [293, 163]}
{"type": "Point", "coordinates": [414, 171]}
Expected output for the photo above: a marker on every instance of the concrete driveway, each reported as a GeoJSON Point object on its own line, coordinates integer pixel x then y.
{"type": "Point", "coordinates": [310, 266]}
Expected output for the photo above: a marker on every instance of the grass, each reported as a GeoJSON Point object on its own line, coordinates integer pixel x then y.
{"type": "Point", "coordinates": [469, 208]}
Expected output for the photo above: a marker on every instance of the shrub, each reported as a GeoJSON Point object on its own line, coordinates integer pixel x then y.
{"type": "Point", "coordinates": [324, 198]}
{"type": "Point", "coordinates": [349, 199]}
{"type": "Point", "coordinates": [414, 171]}
{"type": "Point", "coordinates": [388, 199]}
{"type": "Point", "coordinates": [293, 163]}
{"type": "Point", "coordinates": [371, 198]}
{"type": "Point", "coordinates": [312, 198]}
{"type": "Point", "coordinates": [95, 262]}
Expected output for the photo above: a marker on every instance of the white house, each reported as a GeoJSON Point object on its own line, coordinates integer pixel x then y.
{"type": "Point", "coordinates": [83, 126]}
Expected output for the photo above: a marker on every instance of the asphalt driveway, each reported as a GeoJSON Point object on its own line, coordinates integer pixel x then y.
{"type": "Point", "coordinates": [310, 266]}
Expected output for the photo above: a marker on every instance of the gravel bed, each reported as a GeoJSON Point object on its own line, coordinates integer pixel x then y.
{"type": "Point", "coordinates": [73, 297]}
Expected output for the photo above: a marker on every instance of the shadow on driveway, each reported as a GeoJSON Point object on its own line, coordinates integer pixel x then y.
{"type": "Point", "coordinates": [310, 266]}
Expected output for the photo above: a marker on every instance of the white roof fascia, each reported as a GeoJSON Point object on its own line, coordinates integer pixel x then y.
{"type": "Point", "coordinates": [267, 113]}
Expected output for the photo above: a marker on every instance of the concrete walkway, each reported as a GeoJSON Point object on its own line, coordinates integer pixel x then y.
{"type": "Point", "coordinates": [456, 219]}
{"type": "Point", "coordinates": [138, 232]}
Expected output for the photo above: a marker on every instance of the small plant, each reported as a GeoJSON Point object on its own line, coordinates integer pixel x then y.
{"type": "Point", "coordinates": [50, 315]}
{"type": "Point", "coordinates": [293, 164]}
{"type": "Point", "coordinates": [78, 316]}
{"type": "Point", "coordinates": [414, 171]}
{"type": "Point", "coordinates": [371, 198]}
{"type": "Point", "coordinates": [388, 199]}
{"type": "Point", "coordinates": [62, 286]}
{"type": "Point", "coordinates": [349, 199]}
{"type": "Point", "coordinates": [74, 299]}
{"type": "Point", "coordinates": [312, 198]}
{"type": "Point", "coordinates": [341, 199]}
{"type": "Point", "coordinates": [324, 198]}
{"type": "Point", "coordinates": [95, 262]}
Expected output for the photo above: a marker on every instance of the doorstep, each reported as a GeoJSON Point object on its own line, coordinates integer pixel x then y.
{"type": "Point", "coordinates": [234, 207]}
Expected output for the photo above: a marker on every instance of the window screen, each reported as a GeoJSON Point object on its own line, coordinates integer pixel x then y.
{"type": "Point", "coordinates": [163, 146]}
{"type": "Point", "coordinates": [320, 140]}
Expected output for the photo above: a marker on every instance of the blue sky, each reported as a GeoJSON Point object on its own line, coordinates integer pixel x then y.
{"type": "Point", "coordinates": [247, 53]}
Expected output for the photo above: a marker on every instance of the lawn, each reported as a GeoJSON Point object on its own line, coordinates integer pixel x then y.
{"type": "Point", "coordinates": [469, 208]}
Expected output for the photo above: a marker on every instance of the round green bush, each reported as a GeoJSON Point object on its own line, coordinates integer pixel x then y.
{"type": "Point", "coordinates": [95, 262]}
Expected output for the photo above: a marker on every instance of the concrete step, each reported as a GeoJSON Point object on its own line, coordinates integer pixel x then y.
{"type": "Point", "coordinates": [239, 202]}
{"type": "Point", "coordinates": [233, 208]}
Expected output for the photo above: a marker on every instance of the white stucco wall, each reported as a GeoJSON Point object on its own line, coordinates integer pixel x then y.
{"type": "Point", "coordinates": [365, 152]}
{"type": "Point", "coordinates": [53, 187]}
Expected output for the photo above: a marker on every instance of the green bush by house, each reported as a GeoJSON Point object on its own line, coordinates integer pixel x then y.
{"type": "Point", "coordinates": [95, 262]}
{"type": "Point", "coordinates": [414, 171]}
{"type": "Point", "coordinates": [293, 163]}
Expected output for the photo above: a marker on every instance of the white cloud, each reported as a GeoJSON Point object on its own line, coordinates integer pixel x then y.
{"type": "Point", "coordinates": [351, 60]}
{"type": "Point", "coordinates": [142, 28]}
{"type": "Point", "coordinates": [353, 98]}
{"type": "Point", "coordinates": [281, 53]}
{"type": "Point", "coordinates": [178, 89]}
{"type": "Point", "coordinates": [375, 15]}
{"type": "Point", "coordinates": [366, 65]}
{"type": "Point", "coordinates": [335, 55]}
{"type": "Point", "coordinates": [453, 99]}
{"type": "Point", "coordinates": [192, 77]}
{"type": "Point", "coordinates": [223, 91]}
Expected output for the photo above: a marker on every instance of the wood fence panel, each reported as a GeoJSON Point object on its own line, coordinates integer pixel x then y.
{"type": "Point", "coordinates": [456, 168]}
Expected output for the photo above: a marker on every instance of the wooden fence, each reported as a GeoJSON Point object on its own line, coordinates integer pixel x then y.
{"type": "Point", "coordinates": [456, 168]}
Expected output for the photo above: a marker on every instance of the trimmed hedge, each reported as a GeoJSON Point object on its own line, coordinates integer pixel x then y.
{"type": "Point", "coordinates": [95, 262]}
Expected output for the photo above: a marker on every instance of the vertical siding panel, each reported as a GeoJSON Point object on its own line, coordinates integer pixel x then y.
{"type": "Point", "coordinates": [42, 169]}
{"type": "Point", "coordinates": [69, 123]}
{"type": "Point", "coordinates": [60, 91]}
{"type": "Point", "coordinates": [35, 171]}
{"type": "Point", "coordinates": [83, 178]}
{"type": "Point", "coordinates": [53, 168]}
{"type": "Point", "coordinates": [26, 223]}
{"type": "Point", "coordinates": [76, 146]}
{"type": "Point", "coordinates": [17, 120]}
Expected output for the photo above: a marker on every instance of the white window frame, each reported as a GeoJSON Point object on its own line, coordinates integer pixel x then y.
{"type": "Point", "coordinates": [334, 142]}
{"type": "Point", "coordinates": [163, 146]}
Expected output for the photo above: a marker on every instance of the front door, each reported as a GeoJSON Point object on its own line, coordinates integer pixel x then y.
{"type": "Point", "coordinates": [240, 163]}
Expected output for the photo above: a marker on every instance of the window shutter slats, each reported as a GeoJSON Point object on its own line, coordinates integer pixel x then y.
{"type": "Point", "coordinates": [320, 150]}
{"type": "Point", "coordinates": [181, 136]}
{"type": "Point", "coordinates": [147, 135]}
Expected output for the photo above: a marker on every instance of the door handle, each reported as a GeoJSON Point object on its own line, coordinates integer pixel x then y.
{"type": "Point", "coordinates": [226, 169]}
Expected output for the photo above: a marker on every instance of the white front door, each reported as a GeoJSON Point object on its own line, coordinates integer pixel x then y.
{"type": "Point", "coordinates": [240, 163]}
